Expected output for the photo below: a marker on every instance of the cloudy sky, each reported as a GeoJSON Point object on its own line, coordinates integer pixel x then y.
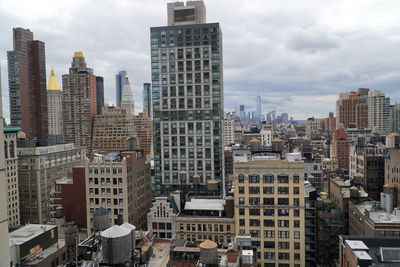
{"type": "Point", "coordinates": [297, 54]}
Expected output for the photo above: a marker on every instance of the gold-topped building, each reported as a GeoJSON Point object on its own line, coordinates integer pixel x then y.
{"type": "Point", "coordinates": [54, 108]}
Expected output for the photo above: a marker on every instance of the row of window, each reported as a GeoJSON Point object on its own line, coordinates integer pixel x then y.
{"type": "Point", "coordinates": [96, 191]}
{"type": "Point", "coordinates": [180, 103]}
{"type": "Point", "coordinates": [175, 177]}
{"type": "Point", "coordinates": [187, 140]}
{"type": "Point", "coordinates": [281, 256]}
{"type": "Point", "coordinates": [206, 227]}
{"type": "Point", "coordinates": [268, 179]}
{"type": "Point", "coordinates": [104, 201]}
{"type": "Point", "coordinates": [105, 181]}
{"type": "Point", "coordinates": [268, 223]}
{"type": "Point", "coordinates": [269, 201]}
{"type": "Point", "coordinates": [270, 233]}
{"type": "Point", "coordinates": [105, 170]}
{"type": "Point", "coordinates": [270, 212]}
{"type": "Point", "coordinates": [269, 190]}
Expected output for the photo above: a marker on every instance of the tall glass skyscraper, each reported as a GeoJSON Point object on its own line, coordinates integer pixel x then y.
{"type": "Point", "coordinates": [119, 85]}
{"type": "Point", "coordinates": [188, 104]}
{"type": "Point", "coordinates": [258, 112]}
{"type": "Point", "coordinates": [147, 99]}
{"type": "Point", "coordinates": [27, 84]}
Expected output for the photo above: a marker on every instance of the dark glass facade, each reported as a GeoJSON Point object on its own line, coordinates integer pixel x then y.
{"type": "Point", "coordinates": [119, 85]}
{"type": "Point", "coordinates": [99, 93]}
{"type": "Point", "coordinates": [187, 97]}
{"type": "Point", "coordinates": [27, 84]}
{"type": "Point", "coordinates": [147, 99]}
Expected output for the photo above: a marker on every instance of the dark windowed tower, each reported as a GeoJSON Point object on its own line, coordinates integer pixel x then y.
{"type": "Point", "coordinates": [119, 84]}
{"type": "Point", "coordinates": [188, 104]}
{"type": "Point", "coordinates": [147, 100]}
{"type": "Point", "coordinates": [27, 84]}
{"type": "Point", "coordinates": [99, 93]}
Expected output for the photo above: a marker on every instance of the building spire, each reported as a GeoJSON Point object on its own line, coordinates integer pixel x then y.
{"type": "Point", "coordinates": [53, 84]}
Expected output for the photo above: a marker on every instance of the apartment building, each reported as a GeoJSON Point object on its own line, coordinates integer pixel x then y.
{"type": "Point", "coordinates": [207, 218]}
{"type": "Point", "coordinates": [38, 169]}
{"type": "Point", "coordinates": [12, 192]}
{"type": "Point", "coordinates": [269, 205]}
{"type": "Point", "coordinates": [120, 183]}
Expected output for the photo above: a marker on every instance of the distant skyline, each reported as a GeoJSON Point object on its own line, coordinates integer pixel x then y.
{"type": "Point", "coordinates": [298, 55]}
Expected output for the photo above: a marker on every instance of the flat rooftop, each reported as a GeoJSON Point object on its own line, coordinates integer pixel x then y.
{"type": "Point", "coordinates": [356, 245]}
{"type": "Point", "coordinates": [205, 204]}
{"type": "Point", "coordinates": [377, 215]}
{"type": "Point", "coordinates": [28, 232]}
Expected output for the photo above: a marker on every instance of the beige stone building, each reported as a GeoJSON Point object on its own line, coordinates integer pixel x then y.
{"type": "Point", "coordinates": [111, 129]}
{"type": "Point", "coordinates": [114, 126]}
{"type": "Point", "coordinates": [204, 219]}
{"type": "Point", "coordinates": [38, 169]}
{"type": "Point", "coordinates": [120, 183]}
{"type": "Point", "coordinates": [392, 173]}
{"type": "Point", "coordinates": [269, 205]}
{"type": "Point", "coordinates": [366, 219]}
{"type": "Point", "coordinates": [10, 151]}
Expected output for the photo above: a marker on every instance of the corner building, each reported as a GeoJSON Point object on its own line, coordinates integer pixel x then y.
{"type": "Point", "coordinates": [188, 104]}
{"type": "Point", "coordinates": [269, 206]}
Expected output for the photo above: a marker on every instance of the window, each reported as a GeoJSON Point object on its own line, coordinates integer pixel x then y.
{"type": "Point", "coordinates": [296, 202]}
{"type": "Point", "coordinates": [254, 212]}
{"type": "Point", "coordinates": [254, 178]}
{"type": "Point", "coordinates": [268, 190]}
{"type": "Point", "coordinates": [296, 190]}
{"type": "Point", "coordinates": [269, 223]}
{"type": "Point", "coordinates": [254, 190]}
{"type": "Point", "coordinates": [296, 213]}
{"type": "Point", "coordinates": [241, 200]}
{"type": "Point", "coordinates": [296, 223]}
{"type": "Point", "coordinates": [269, 179]}
{"type": "Point", "coordinates": [296, 235]}
{"type": "Point", "coordinates": [283, 201]}
{"type": "Point", "coordinates": [283, 179]}
{"type": "Point", "coordinates": [254, 201]}
{"type": "Point", "coordinates": [254, 222]}
{"type": "Point", "coordinates": [296, 179]}
{"type": "Point", "coordinates": [283, 234]}
{"type": "Point", "coordinates": [283, 190]}
{"type": "Point", "coordinates": [283, 223]}
{"type": "Point", "coordinates": [268, 201]}
{"type": "Point", "coordinates": [241, 211]}
{"type": "Point", "coordinates": [255, 233]}
{"type": "Point", "coordinates": [269, 244]}
{"type": "Point", "coordinates": [269, 212]}
{"type": "Point", "coordinates": [283, 212]}
{"type": "Point", "coordinates": [296, 256]}
{"type": "Point", "coordinates": [296, 245]}
{"type": "Point", "coordinates": [283, 256]}
{"type": "Point", "coordinates": [269, 233]}
{"type": "Point", "coordinates": [284, 245]}
{"type": "Point", "coordinates": [269, 255]}
{"type": "Point", "coordinates": [241, 190]}
{"type": "Point", "coordinates": [241, 178]}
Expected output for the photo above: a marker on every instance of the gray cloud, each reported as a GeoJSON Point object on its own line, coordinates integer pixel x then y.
{"type": "Point", "coordinates": [298, 54]}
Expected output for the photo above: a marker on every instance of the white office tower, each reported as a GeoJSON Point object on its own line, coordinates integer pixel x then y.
{"type": "Point", "coordinates": [4, 236]}
{"type": "Point", "coordinates": [378, 112]}
{"type": "Point", "coordinates": [127, 102]}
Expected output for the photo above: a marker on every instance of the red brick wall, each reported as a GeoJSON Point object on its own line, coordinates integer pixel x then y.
{"type": "Point", "coordinates": [74, 198]}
